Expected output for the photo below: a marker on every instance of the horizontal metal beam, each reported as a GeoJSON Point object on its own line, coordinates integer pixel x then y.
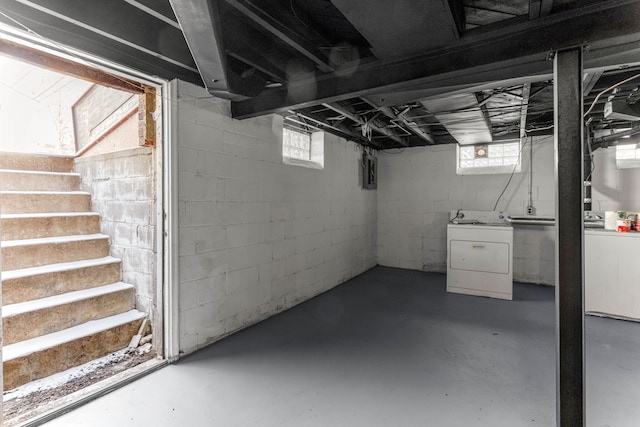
{"type": "Point", "coordinates": [510, 47]}
{"type": "Point", "coordinates": [202, 30]}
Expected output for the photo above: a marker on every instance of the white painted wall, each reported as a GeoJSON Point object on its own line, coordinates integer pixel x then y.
{"type": "Point", "coordinates": [418, 187]}
{"type": "Point", "coordinates": [257, 236]}
{"type": "Point", "coordinates": [614, 189]}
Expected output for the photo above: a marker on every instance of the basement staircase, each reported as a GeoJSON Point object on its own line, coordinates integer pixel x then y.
{"type": "Point", "coordinates": [63, 303]}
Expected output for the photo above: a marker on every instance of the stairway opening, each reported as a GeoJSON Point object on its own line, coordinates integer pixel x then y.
{"type": "Point", "coordinates": [80, 173]}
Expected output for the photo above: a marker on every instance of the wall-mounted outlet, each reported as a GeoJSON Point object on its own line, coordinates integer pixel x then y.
{"type": "Point", "coordinates": [531, 210]}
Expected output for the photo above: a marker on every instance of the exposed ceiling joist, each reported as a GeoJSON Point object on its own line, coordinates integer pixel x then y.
{"type": "Point", "coordinates": [590, 81]}
{"type": "Point", "coordinates": [258, 53]}
{"type": "Point", "coordinates": [395, 28]}
{"type": "Point", "coordinates": [336, 127]}
{"type": "Point", "coordinates": [135, 38]}
{"type": "Point", "coordinates": [539, 8]}
{"type": "Point", "coordinates": [511, 46]}
{"type": "Point", "coordinates": [285, 29]}
{"type": "Point", "coordinates": [126, 30]}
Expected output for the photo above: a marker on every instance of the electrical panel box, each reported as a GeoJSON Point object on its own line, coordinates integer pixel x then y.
{"type": "Point", "coordinates": [369, 172]}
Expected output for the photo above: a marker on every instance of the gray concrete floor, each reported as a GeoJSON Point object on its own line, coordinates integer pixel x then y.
{"type": "Point", "coordinates": [388, 348]}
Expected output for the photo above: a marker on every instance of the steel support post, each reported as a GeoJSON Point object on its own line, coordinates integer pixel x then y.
{"type": "Point", "coordinates": [570, 406]}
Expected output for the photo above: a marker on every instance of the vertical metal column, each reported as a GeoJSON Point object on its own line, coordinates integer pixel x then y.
{"type": "Point", "coordinates": [570, 407]}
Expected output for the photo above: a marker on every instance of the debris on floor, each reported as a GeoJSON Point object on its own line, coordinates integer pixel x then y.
{"type": "Point", "coordinates": [29, 397]}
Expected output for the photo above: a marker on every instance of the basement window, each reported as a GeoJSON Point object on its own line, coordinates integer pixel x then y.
{"type": "Point", "coordinates": [303, 148]}
{"type": "Point", "coordinates": [492, 158]}
{"type": "Point", "coordinates": [628, 156]}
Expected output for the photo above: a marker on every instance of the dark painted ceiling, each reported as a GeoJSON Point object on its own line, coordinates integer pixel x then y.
{"type": "Point", "coordinates": [384, 73]}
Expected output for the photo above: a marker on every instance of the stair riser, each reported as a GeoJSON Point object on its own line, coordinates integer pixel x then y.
{"type": "Point", "coordinates": [35, 163]}
{"type": "Point", "coordinates": [17, 257]}
{"type": "Point", "coordinates": [29, 325]}
{"type": "Point", "coordinates": [43, 203]}
{"type": "Point", "coordinates": [16, 181]}
{"type": "Point", "coordinates": [35, 228]}
{"type": "Point", "coordinates": [50, 284]}
{"type": "Point", "coordinates": [47, 362]}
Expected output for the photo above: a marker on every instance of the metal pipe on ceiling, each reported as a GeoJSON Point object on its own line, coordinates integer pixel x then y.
{"type": "Point", "coordinates": [402, 118]}
{"type": "Point", "coordinates": [356, 118]}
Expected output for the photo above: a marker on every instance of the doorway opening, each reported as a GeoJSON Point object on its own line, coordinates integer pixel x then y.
{"type": "Point", "coordinates": [81, 173]}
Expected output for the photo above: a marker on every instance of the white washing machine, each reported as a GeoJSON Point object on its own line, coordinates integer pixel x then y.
{"type": "Point", "coordinates": [480, 254]}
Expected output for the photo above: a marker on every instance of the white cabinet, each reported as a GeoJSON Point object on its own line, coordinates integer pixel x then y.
{"type": "Point", "coordinates": [479, 260]}
{"type": "Point", "coordinates": [612, 273]}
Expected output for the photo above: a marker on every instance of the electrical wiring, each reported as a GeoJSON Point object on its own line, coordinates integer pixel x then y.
{"type": "Point", "coordinates": [540, 129]}
{"type": "Point", "coordinates": [593, 104]}
{"type": "Point", "coordinates": [593, 162]}
{"type": "Point", "coordinates": [515, 167]}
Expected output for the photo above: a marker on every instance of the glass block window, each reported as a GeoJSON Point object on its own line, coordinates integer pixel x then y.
{"type": "Point", "coordinates": [628, 156]}
{"type": "Point", "coordinates": [296, 145]}
{"type": "Point", "coordinates": [488, 158]}
{"type": "Point", "coordinates": [304, 149]}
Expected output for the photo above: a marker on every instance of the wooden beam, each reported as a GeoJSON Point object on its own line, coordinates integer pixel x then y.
{"type": "Point", "coordinates": [147, 118]}
{"type": "Point", "coordinates": [70, 68]}
{"type": "Point", "coordinates": [465, 59]}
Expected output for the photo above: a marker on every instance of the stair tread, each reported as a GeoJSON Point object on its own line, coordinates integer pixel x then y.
{"type": "Point", "coordinates": [24, 348]}
{"type": "Point", "coordinates": [73, 192]}
{"type": "Point", "coordinates": [56, 268]}
{"type": "Point", "coordinates": [36, 172]}
{"type": "Point", "coordinates": [47, 215]}
{"type": "Point", "coordinates": [56, 239]}
{"type": "Point", "coordinates": [66, 298]}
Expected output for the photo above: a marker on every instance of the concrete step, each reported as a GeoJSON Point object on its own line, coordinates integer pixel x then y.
{"type": "Point", "coordinates": [30, 319]}
{"type": "Point", "coordinates": [54, 279]}
{"type": "Point", "coordinates": [17, 202]}
{"type": "Point", "coordinates": [36, 162]}
{"type": "Point", "coordinates": [40, 357]}
{"type": "Point", "coordinates": [17, 254]}
{"type": "Point", "coordinates": [18, 180]}
{"type": "Point", "coordinates": [39, 225]}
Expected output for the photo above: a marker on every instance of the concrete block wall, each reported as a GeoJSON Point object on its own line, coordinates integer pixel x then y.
{"type": "Point", "coordinates": [122, 187]}
{"type": "Point", "coordinates": [418, 187]}
{"type": "Point", "coordinates": [257, 236]}
{"type": "Point", "coordinates": [614, 189]}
